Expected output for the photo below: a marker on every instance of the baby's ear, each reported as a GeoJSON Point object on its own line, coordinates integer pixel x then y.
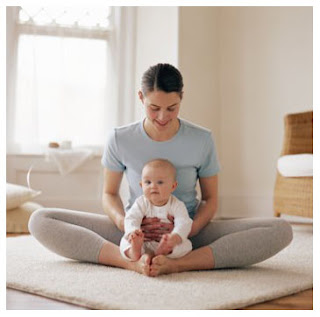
{"type": "Point", "coordinates": [174, 185]}
{"type": "Point", "coordinates": [140, 183]}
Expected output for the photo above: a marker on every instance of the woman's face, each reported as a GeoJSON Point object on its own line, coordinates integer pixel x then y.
{"type": "Point", "coordinates": [161, 108]}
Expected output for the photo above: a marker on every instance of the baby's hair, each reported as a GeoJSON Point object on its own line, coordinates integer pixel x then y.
{"type": "Point", "coordinates": [162, 163]}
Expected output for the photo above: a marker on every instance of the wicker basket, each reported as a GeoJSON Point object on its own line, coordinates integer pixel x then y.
{"type": "Point", "coordinates": [294, 195]}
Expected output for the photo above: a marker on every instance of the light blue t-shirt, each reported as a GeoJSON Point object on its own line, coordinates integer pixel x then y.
{"type": "Point", "coordinates": [191, 151]}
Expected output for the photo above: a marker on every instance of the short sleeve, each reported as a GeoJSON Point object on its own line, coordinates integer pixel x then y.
{"type": "Point", "coordinates": [209, 165]}
{"type": "Point", "coordinates": [111, 157]}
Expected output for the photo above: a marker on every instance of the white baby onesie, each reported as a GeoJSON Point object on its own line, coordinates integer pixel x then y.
{"type": "Point", "coordinates": [143, 208]}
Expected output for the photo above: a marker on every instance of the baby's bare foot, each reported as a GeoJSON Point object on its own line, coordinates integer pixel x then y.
{"type": "Point", "coordinates": [136, 241]}
{"type": "Point", "coordinates": [162, 265]}
{"type": "Point", "coordinates": [165, 246]}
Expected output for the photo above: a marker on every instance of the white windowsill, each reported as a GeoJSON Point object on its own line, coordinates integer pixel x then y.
{"type": "Point", "coordinates": [39, 151]}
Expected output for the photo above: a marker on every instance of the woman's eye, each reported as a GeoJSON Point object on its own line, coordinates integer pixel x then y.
{"type": "Point", "coordinates": [155, 109]}
{"type": "Point", "coordinates": [171, 109]}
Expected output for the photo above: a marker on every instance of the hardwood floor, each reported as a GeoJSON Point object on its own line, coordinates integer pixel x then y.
{"type": "Point", "coordinates": [17, 300]}
{"type": "Point", "coordinates": [299, 301]}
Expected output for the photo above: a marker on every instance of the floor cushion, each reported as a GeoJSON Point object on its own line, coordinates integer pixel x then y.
{"type": "Point", "coordinates": [17, 195]}
{"type": "Point", "coordinates": [18, 218]}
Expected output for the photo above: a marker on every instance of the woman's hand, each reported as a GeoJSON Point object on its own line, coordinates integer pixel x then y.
{"type": "Point", "coordinates": [153, 228]}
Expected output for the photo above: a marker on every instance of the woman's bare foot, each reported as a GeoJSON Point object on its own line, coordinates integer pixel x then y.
{"type": "Point", "coordinates": [142, 266]}
{"type": "Point", "coordinates": [162, 265]}
{"type": "Point", "coordinates": [136, 241]}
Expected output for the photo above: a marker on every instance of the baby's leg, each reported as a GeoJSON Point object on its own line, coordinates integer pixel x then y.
{"type": "Point", "coordinates": [165, 245]}
{"type": "Point", "coordinates": [136, 242]}
{"type": "Point", "coordinates": [181, 249]}
{"type": "Point", "coordinates": [132, 247]}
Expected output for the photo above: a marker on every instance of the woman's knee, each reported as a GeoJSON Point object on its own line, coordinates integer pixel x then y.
{"type": "Point", "coordinates": [283, 230]}
{"type": "Point", "coordinates": [36, 224]}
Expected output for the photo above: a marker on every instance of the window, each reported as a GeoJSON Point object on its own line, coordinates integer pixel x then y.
{"type": "Point", "coordinates": [62, 84]}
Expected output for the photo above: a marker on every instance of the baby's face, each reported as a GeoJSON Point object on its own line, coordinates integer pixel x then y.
{"type": "Point", "coordinates": [157, 184]}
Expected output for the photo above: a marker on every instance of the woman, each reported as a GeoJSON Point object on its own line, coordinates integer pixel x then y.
{"type": "Point", "coordinates": [216, 244]}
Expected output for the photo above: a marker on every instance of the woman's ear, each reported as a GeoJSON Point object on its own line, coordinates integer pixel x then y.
{"type": "Point", "coordinates": [140, 94]}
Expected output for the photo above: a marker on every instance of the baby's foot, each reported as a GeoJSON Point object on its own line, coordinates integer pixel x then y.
{"type": "Point", "coordinates": [165, 246]}
{"type": "Point", "coordinates": [136, 241]}
{"type": "Point", "coordinates": [162, 265]}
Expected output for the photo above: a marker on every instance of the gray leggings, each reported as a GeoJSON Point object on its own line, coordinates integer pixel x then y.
{"type": "Point", "coordinates": [235, 243]}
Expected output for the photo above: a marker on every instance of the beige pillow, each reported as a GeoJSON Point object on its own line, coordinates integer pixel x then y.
{"type": "Point", "coordinates": [18, 218]}
{"type": "Point", "coordinates": [17, 195]}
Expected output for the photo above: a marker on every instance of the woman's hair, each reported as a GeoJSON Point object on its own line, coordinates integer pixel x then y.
{"type": "Point", "coordinates": [162, 77]}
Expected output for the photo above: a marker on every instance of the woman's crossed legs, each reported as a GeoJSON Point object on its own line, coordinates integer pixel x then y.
{"type": "Point", "coordinates": [221, 244]}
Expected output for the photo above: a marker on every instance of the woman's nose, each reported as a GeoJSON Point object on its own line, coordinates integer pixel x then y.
{"type": "Point", "coordinates": [162, 115]}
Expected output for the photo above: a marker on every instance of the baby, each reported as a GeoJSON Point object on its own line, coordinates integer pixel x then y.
{"type": "Point", "coordinates": [158, 182]}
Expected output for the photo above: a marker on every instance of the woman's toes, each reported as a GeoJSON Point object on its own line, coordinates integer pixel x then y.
{"type": "Point", "coordinates": [157, 265]}
{"type": "Point", "coordinates": [158, 260]}
{"type": "Point", "coordinates": [145, 261]}
{"type": "Point", "coordinates": [154, 272]}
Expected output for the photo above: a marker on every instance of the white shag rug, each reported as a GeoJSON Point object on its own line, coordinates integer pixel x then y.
{"type": "Point", "coordinates": [34, 269]}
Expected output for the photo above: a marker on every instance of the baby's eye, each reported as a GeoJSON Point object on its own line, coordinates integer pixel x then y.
{"type": "Point", "coordinates": [147, 182]}
{"type": "Point", "coordinates": [160, 182]}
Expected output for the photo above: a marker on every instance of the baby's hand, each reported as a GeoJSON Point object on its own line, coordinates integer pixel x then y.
{"type": "Point", "coordinates": [167, 243]}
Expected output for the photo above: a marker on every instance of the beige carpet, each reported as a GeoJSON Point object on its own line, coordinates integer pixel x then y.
{"type": "Point", "coordinates": [31, 268]}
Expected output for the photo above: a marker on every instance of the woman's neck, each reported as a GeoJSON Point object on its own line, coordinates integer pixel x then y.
{"type": "Point", "coordinates": [164, 135]}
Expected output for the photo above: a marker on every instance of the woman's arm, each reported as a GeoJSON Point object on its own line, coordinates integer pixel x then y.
{"type": "Point", "coordinates": [111, 201]}
{"type": "Point", "coordinates": [209, 203]}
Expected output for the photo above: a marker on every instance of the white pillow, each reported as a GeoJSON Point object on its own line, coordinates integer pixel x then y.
{"type": "Point", "coordinates": [17, 195]}
{"type": "Point", "coordinates": [18, 218]}
{"type": "Point", "coordinates": [296, 165]}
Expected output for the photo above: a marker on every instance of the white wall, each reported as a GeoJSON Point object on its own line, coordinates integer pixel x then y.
{"type": "Point", "coordinates": [245, 67]}
{"type": "Point", "coordinates": [198, 63]}
{"type": "Point", "coordinates": [157, 42]}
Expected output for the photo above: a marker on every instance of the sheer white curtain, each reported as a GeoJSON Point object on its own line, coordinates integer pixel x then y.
{"type": "Point", "coordinates": [61, 91]}
{"type": "Point", "coordinates": [67, 81]}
